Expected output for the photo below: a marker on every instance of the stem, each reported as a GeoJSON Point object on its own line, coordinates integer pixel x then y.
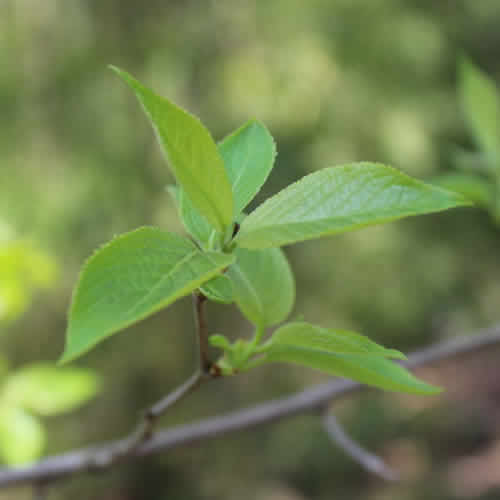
{"type": "Point", "coordinates": [182, 391]}
{"type": "Point", "coordinates": [201, 331]}
{"type": "Point", "coordinates": [259, 332]}
{"type": "Point", "coordinates": [144, 430]}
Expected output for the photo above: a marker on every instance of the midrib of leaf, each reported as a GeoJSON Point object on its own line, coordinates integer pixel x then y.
{"type": "Point", "coordinates": [249, 286]}
{"type": "Point", "coordinates": [201, 186]}
{"type": "Point", "coordinates": [165, 278]}
{"type": "Point", "coordinates": [276, 348]}
{"type": "Point", "coordinates": [242, 168]}
{"type": "Point", "coordinates": [340, 218]}
{"type": "Point", "coordinates": [342, 194]}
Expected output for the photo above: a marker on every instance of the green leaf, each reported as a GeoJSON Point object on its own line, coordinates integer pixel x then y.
{"type": "Point", "coordinates": [191, 153]}
{"type": "Point", "coordinates": [318, 352]}
{"type": "Point", "coordinates": [196, 225]}
{"type": "Point", "coordinates": [263, 285]}
{"type": "Point", "coordinates": [339, 199]}
{"type": "Point", "coordinates": [481, 106]}
{"type": "Point", "coordinates": [48, 390]}
{"type": "Point", "coordinates": [333, 341]}
{"type": "Point", "coordinates": [219, 341]}
{"type": "Point", "coordinates": [132, 277]}
{"type": "Point", "coordinates": [22, 437]}
{"type": "Point", "coordinates": [474, 187]}
{"type": "Point", "coordinates": [248, 155]}
{"type": "Point", "coordinates": [219, 289]}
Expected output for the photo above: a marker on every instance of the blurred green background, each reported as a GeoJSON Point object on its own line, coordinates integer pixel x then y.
{"type": "Point", "coordinates": [335, 81]}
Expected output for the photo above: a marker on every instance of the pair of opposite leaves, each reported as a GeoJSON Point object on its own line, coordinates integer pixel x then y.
{"type": "Point", "coordinates": [141, 272]}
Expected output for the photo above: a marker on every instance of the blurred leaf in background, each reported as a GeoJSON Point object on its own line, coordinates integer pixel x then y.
{"type": "Point", "coordinates": [480, 101]}
{"type": "Point", "coordinates": [38, 390]}
{"type": "Point", "coordinates": [23, 270]}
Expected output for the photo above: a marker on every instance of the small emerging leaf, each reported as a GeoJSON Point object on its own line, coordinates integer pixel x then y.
{"type": "Point", "coordinates": [263, 285]}
{"type": "Point", "coordinates": [219, 341]}
{"type": "Point", "coordinates": [344, 355]}
{"type": "Point", "coordinates": [339, 199]}
{"type": "Point", "coordinates": [191, 153]}
{"type": "Point", "coordinates": [481, 105]}
{"type": "Point", "coordinates": [196, 225]}
{"type": "Point", "coordinates": [48, 390]}
{"type": "Point", "coordinates": [132, 277]}
{"type": "Point", "coordinates": [248, 155]}
{"type": "Point", "coordinates": [219, 289]}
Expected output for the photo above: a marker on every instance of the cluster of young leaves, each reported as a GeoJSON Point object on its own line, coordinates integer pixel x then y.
{"type": "Point", "coordinates": [478, 175]}
{"type": "Point", "coordinates": [34, 391]}
{"type": "Point", "coordinates": [235, 257]}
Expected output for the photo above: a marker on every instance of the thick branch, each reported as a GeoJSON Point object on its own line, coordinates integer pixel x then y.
{"type": "Point", "coordinates": [306, 402]}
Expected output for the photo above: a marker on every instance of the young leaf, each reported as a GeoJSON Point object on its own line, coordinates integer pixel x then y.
{"type": "Point", "coordinates": [333, 341]}
{"type": "Point", "coordinates": [481, 105]}
{"type": "Point", "coordinates": [47, 390]}
{"type": "Point", "coordinates": [370, 367]}
{"type": "Point", "coordinates": [22, 437]}
{"type": "Point", "coordinates": [340, 199]}
{"type": "Point", "coordinates": [191, 153]}
{"type": "Point", "coordinates": [219, 289]}
{"type": "Point", "coordinates": [248, 155]}
{"type": "Point", "coordinates": [473, 186]}
{"type": "Point", "coordinates": [196, 225]}
{"type": "Point", "coordinates": [132, 277]}
{"type": "Point", "coordinates": [263, 285]}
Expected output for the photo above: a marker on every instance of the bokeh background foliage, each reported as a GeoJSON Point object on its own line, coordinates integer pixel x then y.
{"type": "Point", "coordinates": [335, 81]}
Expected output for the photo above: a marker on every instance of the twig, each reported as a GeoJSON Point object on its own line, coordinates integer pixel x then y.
{"type": "Point", "coordinates": [371, 462]}
{"type": "Point", "coordinates": [187, 387]}
{"type": "Point", "coordinates": [305, 402]}
{"type": "Point", "coordinates": [144, 429]}
{"type": "Point", "coordinates": [201, 330]}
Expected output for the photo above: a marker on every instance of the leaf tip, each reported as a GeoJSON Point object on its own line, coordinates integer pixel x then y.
{"type": "Point", "coordinates": [431, 390]}
{"type": "Point", "coordinates": [121, 73]}
{"type": "Point", "coordinates": [395, 354]}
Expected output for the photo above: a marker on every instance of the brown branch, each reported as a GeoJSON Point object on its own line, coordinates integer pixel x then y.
{"type": "Point", "coordinates": [144, 429]}
{"type": "Point", "coordinates": [201, 330]}
{"type": "Point", "coordinates": [305, 402]}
